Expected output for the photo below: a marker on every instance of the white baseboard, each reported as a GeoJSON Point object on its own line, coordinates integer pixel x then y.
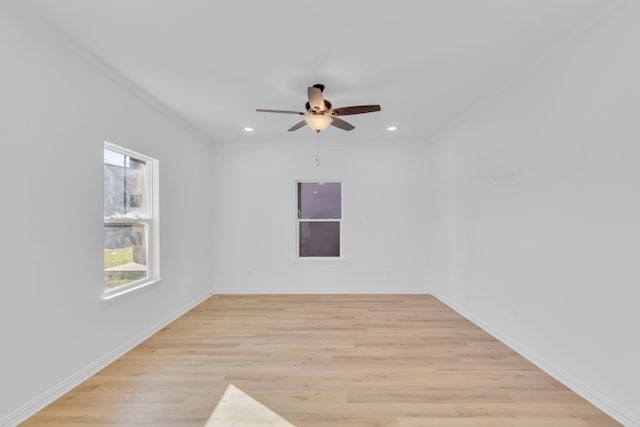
{"type": "Point", "coordinates": [40, 402]}
{"type": "Point", "coordinates": [595, 398]}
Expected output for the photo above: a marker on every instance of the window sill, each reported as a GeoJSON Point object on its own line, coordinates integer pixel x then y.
{"type": "Point", "coordinates": [116, 294]}
{"type": "Point", "coordinates": [320, 260]}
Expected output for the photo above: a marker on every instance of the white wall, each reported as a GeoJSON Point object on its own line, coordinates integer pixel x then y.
{"type": "Point", "coordinates": [541, 203]}
{"type": "Point", "coordinates": [56, 110]}
{"type": "Point", "coordinates": [384, 205]}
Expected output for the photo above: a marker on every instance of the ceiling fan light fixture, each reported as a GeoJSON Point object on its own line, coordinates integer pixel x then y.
{"type": "Point", "coordinates": [318, 122]}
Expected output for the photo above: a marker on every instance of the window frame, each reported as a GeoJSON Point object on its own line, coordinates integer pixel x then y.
{"type": "Point", "coordinates": [298, 220]}
{"type": "Point", "coordinates": [150, 222]}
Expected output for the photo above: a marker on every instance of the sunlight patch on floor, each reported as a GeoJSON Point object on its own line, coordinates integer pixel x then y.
{"type": "Point", "coordinates": [238, 409]}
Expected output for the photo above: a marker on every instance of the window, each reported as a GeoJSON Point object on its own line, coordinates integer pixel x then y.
{"type": "Point", "coordinates": [319, 219]}
{"type": "Point", "coordinates": [130, 220]}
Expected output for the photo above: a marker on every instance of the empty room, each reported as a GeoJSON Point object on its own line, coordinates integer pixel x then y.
{"type": "Point", "coordinates": [358, 214]}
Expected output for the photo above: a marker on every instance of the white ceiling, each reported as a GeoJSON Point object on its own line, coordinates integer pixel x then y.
{"type": "Point", "coordinates": [215, 62]}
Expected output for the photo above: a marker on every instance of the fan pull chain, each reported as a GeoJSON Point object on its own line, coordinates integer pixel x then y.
{"type": "Point", "coordinates": [318, 148]}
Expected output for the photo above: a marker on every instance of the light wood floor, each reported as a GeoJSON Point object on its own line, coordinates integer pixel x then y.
{"type": "Point", "coordinates": [320, 361]}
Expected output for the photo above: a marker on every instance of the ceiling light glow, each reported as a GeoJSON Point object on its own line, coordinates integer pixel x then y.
{"type": "Point", "coordinates": [318, 122]}
{"type": "Point", "coordinates": [247, 129]}
{"type": "Point", "coordinates": [392, 128]}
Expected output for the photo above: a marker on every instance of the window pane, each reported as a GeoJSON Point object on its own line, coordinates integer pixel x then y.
{"type": "Point", "coordinates": [319, 239]}
{"type": "Point", "coordinates": [125, 254]}
{"type": "Point", "coordinates": [318, 200]}
{"type": "Point", "coordinates": [124, 185]}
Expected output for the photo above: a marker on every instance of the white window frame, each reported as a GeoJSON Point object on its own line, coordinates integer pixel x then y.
{"type": "Point", "coordinates": [340, 220]}
{"type": "Point", "coordinates": [151, 224]}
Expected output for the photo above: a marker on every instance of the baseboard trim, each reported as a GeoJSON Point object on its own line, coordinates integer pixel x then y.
{"type": "Point", "coordinates": [31, 408]}
{"type": "Point", "coordinates": [599, 401]}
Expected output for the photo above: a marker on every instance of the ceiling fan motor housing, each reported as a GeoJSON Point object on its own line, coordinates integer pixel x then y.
{"type": "Point", "coordinates": [327, 107]}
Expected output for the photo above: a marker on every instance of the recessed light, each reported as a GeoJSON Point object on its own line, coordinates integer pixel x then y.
{"type": "Point", "coordinates": [392, 128]}
{"type": "Point", "coordinates": [248, 129]}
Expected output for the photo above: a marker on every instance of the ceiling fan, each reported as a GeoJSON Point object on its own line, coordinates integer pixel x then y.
{"type": "Point", "coordinates": [320, 114]}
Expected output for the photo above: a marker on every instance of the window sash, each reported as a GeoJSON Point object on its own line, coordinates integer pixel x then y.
{"type": "Point", "coordinates": [134, 275]}
{"type": "Point", "coordinates": [149, 175]}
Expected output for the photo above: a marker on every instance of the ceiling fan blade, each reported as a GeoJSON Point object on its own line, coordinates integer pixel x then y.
{"type": "Point", "coordinates": [297, 126]}
{"type": "Point", "coordinates": [358, 109]}
{"type": "Point", "coordinates": [261, 110]}
{"type": "Point", "coordinates": [316, 101]}
{"type": "Point", "coordinates": [339, 123]}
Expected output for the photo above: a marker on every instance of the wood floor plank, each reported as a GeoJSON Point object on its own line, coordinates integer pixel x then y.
{"type": "Point", "coordinates": [324, 360]}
